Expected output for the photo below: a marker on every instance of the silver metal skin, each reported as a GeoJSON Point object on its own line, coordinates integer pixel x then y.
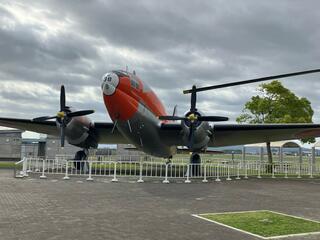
{"type": "Point", "coordinates": [77, 132]}
{"type": "Point", "coordinates": [143, 131]}
{"type": "Point", "coordinates": [201, 136]}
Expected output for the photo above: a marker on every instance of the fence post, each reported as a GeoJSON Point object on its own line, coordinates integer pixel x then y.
{"type": "Point", "coordinates": [246, 171]}
{"type": "Point", "coordinates": [300, 162]}
{"type": "Point", "coordinates": [286, 170]}
{"type": "Point", "coordinates": [218, 179]}
{"type": "Point", "coordinates": [238, 172]}
{"type": "Point", "coordinates": [259, 170]}
{"type": "Point", "coordinates": [311, 170]}
{"type": "Point", "coordinates": [24, 168]}
{"type": "Point", "coordinates": [299, 170]}
{"type": "Point", "coordinates": [204, 174]}
{"type": "Point", "coordinates": [21, 171]}
{"type": "Point", "coordinates": [90, 170]}
{"type": "Point", "coordinates": [114, 179]}
{"type": "Point", "coordinates": [66, 177]}
{"type": "Point", "coordinates": [228, 178]}
{"type": "Point", "coordinates": [37, 165]}
{"type": "Point", "coordinates": [28, 165]}
{"type": "Point", "coordinates": [188, 173]}
{"type": "Point", "coordinates": [166, 175]}
{"type": "Point", "coordinates": [273, 168]}
{"type": "Point", "coordinates": [140, 180]}
{"type": "Point", "coordinates": [43, 166]}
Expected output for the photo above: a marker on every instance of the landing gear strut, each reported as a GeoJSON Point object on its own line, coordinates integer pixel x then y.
{"type": "Point", "coordinates": [80, 160]}
{"type": "Point", "coordinates": [195, 161]}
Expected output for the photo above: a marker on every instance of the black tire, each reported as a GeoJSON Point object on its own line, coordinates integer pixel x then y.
{"type": "Point", "coordinates": [195, 169]}
{"type": "Point", "coordinates": [80, 155]}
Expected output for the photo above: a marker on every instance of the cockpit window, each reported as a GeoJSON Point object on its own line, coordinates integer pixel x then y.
{"type": "Point", "coordinates": [121, 73]}
{"type": "Point", "coordinates": [146, 87]}
{"type": "Point", "coordinates": [134, 84]}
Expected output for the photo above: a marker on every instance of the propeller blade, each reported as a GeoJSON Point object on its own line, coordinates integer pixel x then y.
{"type": "Point", "coordinates": [175, 110]}
{"type": "Point", "coordinates": [191, 136]}
{"type": "Point", "coordinates": [212, 118]}
{"type": "Point", "coordinates": [250, 81]}
{"type": "Point", "coordinates": [41, 119]}
{"type": "Point", "coordinates": [193, 99]}
{"type": "Point", "coordinates": [80, 113]}
{"type": "Point", "coordinates": [62, 132]}
{"type": "Point", "coordinates": [62, 99]}
{"type": "Point", "coordinates": [173, 118]}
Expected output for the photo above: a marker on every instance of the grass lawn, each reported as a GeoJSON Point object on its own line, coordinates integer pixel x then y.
{"type": "Point", "coordinates": [7, 165]}
{"type": "Point", "coordinates": [265, 223]}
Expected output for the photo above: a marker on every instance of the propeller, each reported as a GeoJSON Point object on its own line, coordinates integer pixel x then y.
{"type": "Point", "coordinates": [64, 115]}
{"type": "Point", "coordinates": [193, 117]}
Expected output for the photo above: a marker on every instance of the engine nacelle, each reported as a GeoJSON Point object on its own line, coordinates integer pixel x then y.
{"type": "Point", "coordinates": [201, 134]}
{"type": "Point", "coordinates": [80, 132]}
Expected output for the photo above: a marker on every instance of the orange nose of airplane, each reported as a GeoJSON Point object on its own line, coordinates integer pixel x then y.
{"type": "Point", "coordinates": [120, 105]}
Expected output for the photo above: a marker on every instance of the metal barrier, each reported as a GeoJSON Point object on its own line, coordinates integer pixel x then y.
{"type": "Point", "coordinates": [140, 169]}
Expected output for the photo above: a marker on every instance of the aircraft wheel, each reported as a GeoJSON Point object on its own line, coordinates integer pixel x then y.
{"type": "Point", "coordinates": [82, 157]}
{"type": "Point", "coordinates": [195, 160]}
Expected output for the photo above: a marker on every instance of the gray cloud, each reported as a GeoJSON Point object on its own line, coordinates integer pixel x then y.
{"type": "Point", "coordinates": [171, 44]}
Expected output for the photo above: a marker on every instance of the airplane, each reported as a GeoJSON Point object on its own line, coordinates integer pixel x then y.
{"type": "Point", "coordinates": [139, 118]}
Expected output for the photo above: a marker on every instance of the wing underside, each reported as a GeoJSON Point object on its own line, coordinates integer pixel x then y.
{"type": "Point", "coordinates": [48, 127]}
{"type": "Point", "coordinates": [222, 134]}
{"type": "Point", "coordinates": [238, 134]}
{"type": "Point", "coordinates": [105, 131]}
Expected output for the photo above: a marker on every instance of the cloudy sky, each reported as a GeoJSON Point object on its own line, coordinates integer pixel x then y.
{"type": "Point", "coordinates": [171, 44]}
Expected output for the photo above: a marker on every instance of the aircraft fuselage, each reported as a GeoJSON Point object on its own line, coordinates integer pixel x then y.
{"type": "Point", "coordinates": [134, 108]}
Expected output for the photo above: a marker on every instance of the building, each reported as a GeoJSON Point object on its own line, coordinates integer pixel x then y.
{"type": "Point", "coordinates": [46, 146]}
{"type": "Point", "coordinates": [13, 147]}
{"type": "Point", "coordinates": [53, 147]}
{"type": "Point", "coordinates": [33, 147]}
{"type": "Point", "coordinates": [10, 145]}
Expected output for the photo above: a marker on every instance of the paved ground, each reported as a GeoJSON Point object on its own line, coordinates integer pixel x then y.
{"type": "Point", "coordinates": [76, 209]}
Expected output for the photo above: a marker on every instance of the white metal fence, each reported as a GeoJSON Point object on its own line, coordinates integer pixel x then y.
{"type": "Point", "coordinates": [142, 168]}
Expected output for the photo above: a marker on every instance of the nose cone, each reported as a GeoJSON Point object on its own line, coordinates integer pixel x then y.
{"type": "Point", "coordinates": [110, 83]}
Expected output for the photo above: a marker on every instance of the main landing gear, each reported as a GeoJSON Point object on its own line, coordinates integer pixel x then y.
{"type": "Point", "coordinates": [195, 161]}
{"type": "Point", "coordinates": [80, 160]}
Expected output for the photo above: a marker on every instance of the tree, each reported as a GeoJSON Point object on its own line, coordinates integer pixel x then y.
{"type": "Point", "coordinates": [276, 104]}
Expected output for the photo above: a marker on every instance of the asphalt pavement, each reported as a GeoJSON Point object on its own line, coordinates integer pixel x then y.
{"type": "Point", "coordinates": [33, 208]}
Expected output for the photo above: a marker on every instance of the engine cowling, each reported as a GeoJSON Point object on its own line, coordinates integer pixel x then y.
{"type": "Point", "coordinates": [201, 134]}
{"type": "Point", "coordinates": [80, 132]}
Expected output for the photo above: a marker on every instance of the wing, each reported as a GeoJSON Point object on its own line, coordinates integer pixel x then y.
{"type": "Point", "coordinates": [103, 130]}
{"type": "Point", "coordinates": [238, 134]}
{"type": "Point", "coordinates": [48, 127]}
{"type": "Point", "coordinates": [107, 134]}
